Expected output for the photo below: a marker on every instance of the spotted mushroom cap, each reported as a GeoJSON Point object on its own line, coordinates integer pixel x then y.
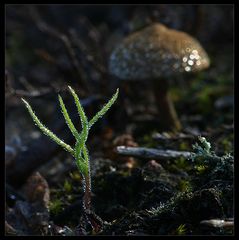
{"type": "Point", "coordinates": [157, 51]}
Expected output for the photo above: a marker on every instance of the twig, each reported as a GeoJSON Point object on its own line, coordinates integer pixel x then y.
{"type": "Point", "coordinates": [151, 153]}
{"type": "Point", "coordinates": [89, 57]}
{"type": "Point", "coordinates": [218, 223]}
{"type": "Point", "coordinates": [165, 136]}
{"type": "Point", "coordinates": [31, 91]}
{"type": "Point", "coordinates": [44, 27]}
{"type": "Point", "coordinates": [34, 93]}
{"type": "Point", "coordinates": [95, 36]}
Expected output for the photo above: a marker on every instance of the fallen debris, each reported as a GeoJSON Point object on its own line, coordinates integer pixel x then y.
{"type": "Point", "coordinates": [151, 153]}
{"type": "Point", "coordinates": [218, 223]}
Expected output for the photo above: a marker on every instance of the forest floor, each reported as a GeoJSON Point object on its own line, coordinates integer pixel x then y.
{"type": "Point", "coordinates": [131, 194]}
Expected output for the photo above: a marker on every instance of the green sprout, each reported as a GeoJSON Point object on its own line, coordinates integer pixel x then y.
{"type": "Point", "coordinates": [208, 164]}
{"type": "Point", "coordinates": [79, 151]}
{"type": "Point", "coordinates": [181, 229]}
{"type": "Point", "coordinates": [202, 150]}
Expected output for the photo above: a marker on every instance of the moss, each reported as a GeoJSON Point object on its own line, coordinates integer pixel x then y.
{"type": "Point", "coordinates": [200, 169]}
{"type": "Point", "coordinates": [193, 206]}
{"type": "Point", "coordinates": [67, 186]}
{"type": "Point", "coordinates": [184, 146]}
{"type": "Point", "coordinates": [184, 186]}
{"type": "Point", "coordinates": [206, 96]}
{"type": "Point", "coordinates": [182, 163]}
{"type": "Point", "coordinates": [147, 141]}
{"type": "Point", "coordinates": [16, 46]}
{"type": "Point", "coordinates": [176, 94]}
{"type": "Point", "coordinates": [56, 206]}
{"type": "Point", "coordinates": [180, 230]}
{"type": "Point", "coordinates": [76, 176]}
{"type": "Point", "coordinates": [227, 144]}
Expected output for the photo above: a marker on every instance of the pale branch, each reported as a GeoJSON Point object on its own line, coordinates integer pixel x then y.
{"type": "Point", "coordinates": [151, 153]}
{"type": "Point", "coordinates": [218, 223]}
{"type": "Point", "coordinates": [34, 93]}
{"type": "Point", "coordinates": [169, 137]}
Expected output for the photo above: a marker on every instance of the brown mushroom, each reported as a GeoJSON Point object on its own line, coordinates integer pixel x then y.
{"type": "Point", "coordinates": [158, 53]}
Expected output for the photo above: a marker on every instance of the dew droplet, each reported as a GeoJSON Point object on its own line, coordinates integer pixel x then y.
{"type": "Point", "coordinates": [197, 57]}
{"type": "Point", "coordinates": [195, 52]}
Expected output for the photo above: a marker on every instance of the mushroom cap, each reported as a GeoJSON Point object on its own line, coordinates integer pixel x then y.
{"type": "Point", "coordinates": [157, 51]}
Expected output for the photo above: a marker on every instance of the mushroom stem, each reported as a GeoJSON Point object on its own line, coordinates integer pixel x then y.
{"type": "Point", "coordinates": [167, 113]}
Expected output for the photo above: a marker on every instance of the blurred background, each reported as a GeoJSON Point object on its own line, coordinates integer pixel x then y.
{"type": "Point", "coordinates": [49, 47]}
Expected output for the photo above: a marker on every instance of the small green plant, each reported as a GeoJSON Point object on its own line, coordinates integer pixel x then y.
{"type": "Point", "coordinates": [204, 149]}
{"type": "Point", "coordinates": [56, 206]}
{"type": "Point", "coordinates": [79, 151]}
{"type": "Point", "coordinates": [67, 186]}
{"type": "Point", "coordinates": [181, 230]}
{"type": "Point", "coordinates": [208, 165]}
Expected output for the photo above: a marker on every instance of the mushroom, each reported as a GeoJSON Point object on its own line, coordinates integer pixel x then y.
{"type": "Point", "coordinates": [158, 53]}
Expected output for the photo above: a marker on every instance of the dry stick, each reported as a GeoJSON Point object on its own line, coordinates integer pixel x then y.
{"type": "Point", "coordinates": [151, 153]}
{"type": "Point", "coordinates": [86, 51]}
{"type": "Point", "coordinates": [44, 27]}
{"type": "Point", "coordinates": [85, 21]}
{"type": "Point", "coordinates": [218, 223]}
{"type": "Point", "coordinates": [23, 93]}
{"type": "Point", "coordinates": [41, 150]}
{"type": "Point", "coordinates": [165, 137]}
{"type": "Point", "coordinates": [35, 93]}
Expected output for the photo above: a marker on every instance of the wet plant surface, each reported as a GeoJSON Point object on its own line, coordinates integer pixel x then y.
{"type": "Point", "coordinates": [142, 183]}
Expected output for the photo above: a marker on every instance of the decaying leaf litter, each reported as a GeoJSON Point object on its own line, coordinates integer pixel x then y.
{"type": "Point", "coordinates": [131, 194]}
